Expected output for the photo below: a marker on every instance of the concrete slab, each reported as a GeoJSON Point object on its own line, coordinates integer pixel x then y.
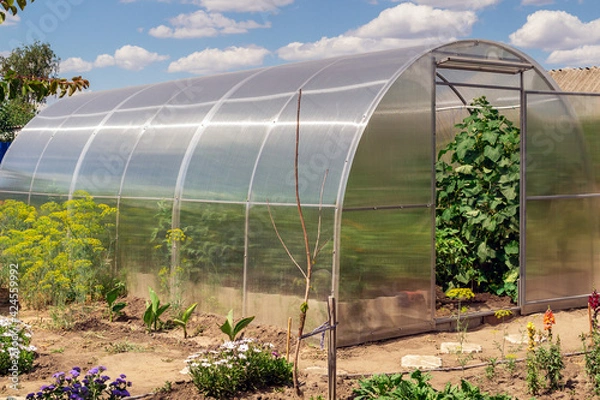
{"type": "Point", "coordinates": [421, 362]}
{"type": "Point", "coordinates": [456, 347]}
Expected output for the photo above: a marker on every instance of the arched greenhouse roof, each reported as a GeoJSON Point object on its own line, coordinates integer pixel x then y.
{"type": "Point", "coordinates": [226, 137]}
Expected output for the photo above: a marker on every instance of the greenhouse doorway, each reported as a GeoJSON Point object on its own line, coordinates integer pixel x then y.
{"type": "Point", "coordinates": [478, 181]}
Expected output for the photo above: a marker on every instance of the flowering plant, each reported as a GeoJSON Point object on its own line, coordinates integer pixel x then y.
{"type": "Point", "coordinates": [238, 366]}
{"type": "Point", "coordinates": [549, 320]}
{"type": "Point", "coordinates": [93, 386]}
{"type": "Point", "coordinates": [16, 352]}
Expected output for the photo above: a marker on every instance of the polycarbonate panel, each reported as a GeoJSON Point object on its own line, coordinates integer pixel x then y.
{"type": "Point", "coordinates": [131, 118]}
{"type": "Point", "coordinates": [218, 172]}
{"type": "Point", "coordinates": [54, 172]}
{"type": "Point", "coordinates": [210, 88]}
{"type": "Point", "coordinates": [192, 114]}
{"type": "Point", "coordinates": [563, 197]}
{"type": "Point", "coordinates": [562, 246]}
{"type": "Point", "coordinates": [556, 154]}
{"type": "Point", "coordinates": [18, 165]}
{"type": "Point", "coordinates": [106, 101]}
{"type": "Point", "coordinates": [212, 255]}
{"type": "Point", "coordinates": [322, 155]}
{"type": "Point", "coordinates": [156, 161]}
{"type": "Point", "coordinates": [275, 286]}
{"type": "Point", "coordinates": [393, 162]}
{"type": "Point", "coordinates": [385, 274]}
{"type": "Point", "coordinates": [101, 170]}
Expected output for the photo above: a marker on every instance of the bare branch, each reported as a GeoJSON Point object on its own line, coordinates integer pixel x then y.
{"type": "Point", "coordinates": [282, 242]}
{"type": "Point", "coordinates": [317, 249]}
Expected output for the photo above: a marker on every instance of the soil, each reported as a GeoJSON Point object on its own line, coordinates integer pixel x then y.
{"type": "Point", "coordinates": [83, 336]}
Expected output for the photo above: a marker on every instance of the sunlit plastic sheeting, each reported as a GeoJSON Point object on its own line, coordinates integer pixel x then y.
{"type": "Point", "coordinates": [556, 159]}
{"type": "Point", "coordinates": [223, 172]}
{"type": "Point", "coordinates": [561, 239]}
{"type": "Point", "coordinates": [155, 162]}
{"type": "Point", "coordinates": [385, 274]}
{"type": "Point", "coordinates": [57, 162]}
{"type": "Point", "coordinates": [392, 166]}
{"type": "Point", "coordinates": [16, 176]}
{"type": "Point", "coordinates": [211, 255]}
{"type": "Point", "coordinates": [273, 275]}
{"type": "Point", "coordinates": [101, 170]}
{"type": "Point", "coordinates": [142, 248]}
{"type": "Point", "coordinates": [563, 198]}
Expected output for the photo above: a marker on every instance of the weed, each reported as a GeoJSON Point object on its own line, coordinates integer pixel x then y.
{"type": "Point", "coordinates": [125, 347]}
{"type": "Point", "coordinates": [490, 369]}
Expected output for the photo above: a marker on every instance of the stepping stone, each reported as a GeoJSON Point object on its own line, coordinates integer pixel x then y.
{"type": "Point", "coordinates": [456, 347]}
{"type": "Point", "coordinates": [516, 338]}
{"type": "Point", "coordinates": [421, 362]}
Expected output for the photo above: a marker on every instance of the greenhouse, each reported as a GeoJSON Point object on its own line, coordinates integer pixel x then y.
{"type": "Point", "coordinates": [213, 159]}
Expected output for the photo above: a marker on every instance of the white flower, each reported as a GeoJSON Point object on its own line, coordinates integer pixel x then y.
{"type": "Point", "coordinates": [243, 348]}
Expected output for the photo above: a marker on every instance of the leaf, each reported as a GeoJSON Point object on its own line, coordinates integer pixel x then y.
{"type": "Point", "coordinates": [510, 193]}
{"type": "Point", "coordinates": [464, 169]}
{"type": "Point", "coordinates": [118, 307]}
{"type": "Point", "coordinates": [492, 153]}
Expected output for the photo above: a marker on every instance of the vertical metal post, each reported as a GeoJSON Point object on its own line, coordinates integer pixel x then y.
{"type": "Point", "coordinates": [331, 351]}
{"type": "Point", "coordinates": [521, 288]}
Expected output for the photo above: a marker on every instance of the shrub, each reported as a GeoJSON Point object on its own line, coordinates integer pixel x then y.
{"type": "Point", "coordinates": [239, 366]}
{"type": "Point", "coordinates": [478, 204]}
{"type": "Point", "coordinates": [15, 347]}
{"type": "Point", "coordinates": [62, 250]}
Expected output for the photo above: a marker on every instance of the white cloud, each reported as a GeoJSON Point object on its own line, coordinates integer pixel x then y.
{"type": "Point", "coordinates": [11, 20]}
{"type": "Point", "coordinates": [243, 5]}
{"type": "Point", "coordinates": [408, 20]}
{"type": "Point", "coordinates": [344, 45]}
{"type": "Point", "coordinates": [75, 64]}
{"type": "Point", "coordinates": [216, 60]}
{"type": "Point", "coordinates": [555, 30]}
{"type": "Point", "coordinates": [133, 58]}
{"type": "Point", "coordinates": [459, 4]}
{"type": "Point", "coordinates": [584, 55]}
{"type": "Point", "coordinates": [202, 24]}
{"type": "Point", "coordinates": [536, 2]}
{"type": "Point", "coordinates": [403, 25]}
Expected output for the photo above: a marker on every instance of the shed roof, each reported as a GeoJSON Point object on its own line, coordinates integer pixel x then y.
{"type": "Point", "coordinates": [584, 79]}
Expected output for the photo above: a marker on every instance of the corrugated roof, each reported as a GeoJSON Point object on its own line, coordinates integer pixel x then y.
{"type": "Point", "coordinates": [585, 79]}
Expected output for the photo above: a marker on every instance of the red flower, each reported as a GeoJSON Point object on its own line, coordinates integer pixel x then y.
{"type": "Point", "coordinates": [549, 319]}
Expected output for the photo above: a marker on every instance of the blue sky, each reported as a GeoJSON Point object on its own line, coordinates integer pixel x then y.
{"type": "Point", "coordinates": [118, 43]}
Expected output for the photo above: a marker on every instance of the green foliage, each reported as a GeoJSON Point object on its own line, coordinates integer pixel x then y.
{"type": "Point", "coordinates": [182, 321]}
{"type": "Point", "coordinates": [418, 388]}
{"type": "Point", "coordinates": [238, 366]}
{"type": "Point", "coordinates": [114, 307]}
{"type": "Point", "coordinates": [11, 7]}
{"type": "Point", "coordinates": [547, 358]}
{"type": "Point", "coordinates": [13, 114]}
{"type": "Point", "coordinates": [63, 250]}
{"type": "Point", "coordinates": [231, 328]}
{"type": "Point", "coordinates": [153, 312]}
{"type": "Point", "coordinates": [16, 352]}
{"type": "Point", "coordinates": [592, 359]}
{"type": "Point", "coordinates": [477, 215]}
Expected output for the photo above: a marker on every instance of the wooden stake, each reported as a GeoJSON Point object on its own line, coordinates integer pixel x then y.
{"type": "Point", "coordinates": [331, 354]}
{"type": "Point", "coordinates": [289, 334]}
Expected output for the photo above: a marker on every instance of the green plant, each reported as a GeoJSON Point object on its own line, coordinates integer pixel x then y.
{"type": "Point", "coordinates": [183, 319]}
{"type": "Point", "coordinates": [93, 386]}
{"type": "Point", "coordinates": [153, 312]}
{"type": "Point", "coordinates": [592, 350]}
{"type": "Point", "coordinates": [124, 347]}
{"type": "Point", "coordinates": [460, 294]}
{"type": "Point", "coordinates": [238, 366]}
{"type": "Point", "coordinates": [231, 328]}
{"type": "Point", "coordinates": [501, 315]}
{"type": "Point", "coordinates": [16, 352]}
{"type": "Point", "coordinates": [63, 250]}
{"type": "Point", "coordinates": [166, 388]}
{"type": "Point", "coordinates": [417, 388]}
{"type": "Point", "coordinates": [546, 357]}
{"type": "Point", "coordinates": [114, 308]}
{"type": "Point", "coordinates": [511, 364]}
{"type": "Point", "coordinates": [477, 216]}
{"type": "Point", "coordinates": [490, 369]}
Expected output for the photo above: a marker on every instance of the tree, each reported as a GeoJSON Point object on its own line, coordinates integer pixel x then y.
{"type": "Point", "coordinates": [13, 83]}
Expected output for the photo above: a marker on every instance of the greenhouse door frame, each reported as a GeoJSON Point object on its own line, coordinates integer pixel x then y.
{"type": "Point", "coordinates": [479, 65]}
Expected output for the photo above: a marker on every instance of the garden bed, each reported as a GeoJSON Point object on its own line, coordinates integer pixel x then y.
{"type": "Point", "coordinates": [82, 336]}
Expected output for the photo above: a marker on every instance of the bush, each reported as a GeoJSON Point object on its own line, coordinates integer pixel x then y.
{"type": "Point", "coordinates": [239, 366]}
{"type": "Point", "coordinates": [62, 250]}
{"type": "Point", "coordinates": [477, 216]}
{"type": "Point", "coordinates": [15, 347]}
